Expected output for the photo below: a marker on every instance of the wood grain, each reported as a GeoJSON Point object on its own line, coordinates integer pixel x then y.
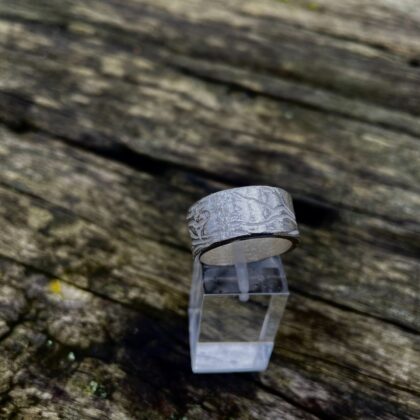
{"type": "Point", "coordinates": [115, 117]}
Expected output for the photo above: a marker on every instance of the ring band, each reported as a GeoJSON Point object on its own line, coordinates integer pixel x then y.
{"type": "Point", "coordinates": [261, 218]}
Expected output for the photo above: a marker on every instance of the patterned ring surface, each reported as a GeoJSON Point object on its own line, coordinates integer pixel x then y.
{"type": "Point", "coordinates": [259, 219]}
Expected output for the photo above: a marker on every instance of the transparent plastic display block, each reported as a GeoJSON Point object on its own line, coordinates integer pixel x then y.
{"type": "Point", "coordinates": [234, 314]}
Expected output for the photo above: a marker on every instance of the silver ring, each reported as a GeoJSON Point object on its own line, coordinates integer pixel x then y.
{"type": "Point", "coordinates": [260, 217]}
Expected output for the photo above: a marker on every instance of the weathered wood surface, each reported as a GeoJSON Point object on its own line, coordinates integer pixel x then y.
{"type": "Point", "coordinates": [116, 116]}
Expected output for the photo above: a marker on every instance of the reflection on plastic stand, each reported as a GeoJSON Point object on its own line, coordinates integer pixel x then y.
{"type": "Point", "coordinates": [234, 314]}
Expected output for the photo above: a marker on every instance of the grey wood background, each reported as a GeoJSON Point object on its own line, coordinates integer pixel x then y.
{"type": "Point", "coordinates": [115, 116]}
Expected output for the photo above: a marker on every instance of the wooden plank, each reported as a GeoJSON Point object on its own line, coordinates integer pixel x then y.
{"type": "Point", "coordinates": [252, 41]}
{"type": "Point", "coordinates": [116, 117]}
{"type": "Point", "coordinates": [152, 115]}
{"type": "Point", "coordinates": [141, 198]}
{"type": "Point", "coordinates": [74, 235]}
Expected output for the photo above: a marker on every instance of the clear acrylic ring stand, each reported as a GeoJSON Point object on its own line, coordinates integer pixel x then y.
{"type": "Point", "coordinates": [234, 313]}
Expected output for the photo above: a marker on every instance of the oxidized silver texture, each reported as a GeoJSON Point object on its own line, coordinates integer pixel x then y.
{"type": "Point", "coordinates": [261, 213]}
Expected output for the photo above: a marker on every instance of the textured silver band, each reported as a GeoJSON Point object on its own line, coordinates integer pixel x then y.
{"type": "Point", "coordinates": [260, 217]}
